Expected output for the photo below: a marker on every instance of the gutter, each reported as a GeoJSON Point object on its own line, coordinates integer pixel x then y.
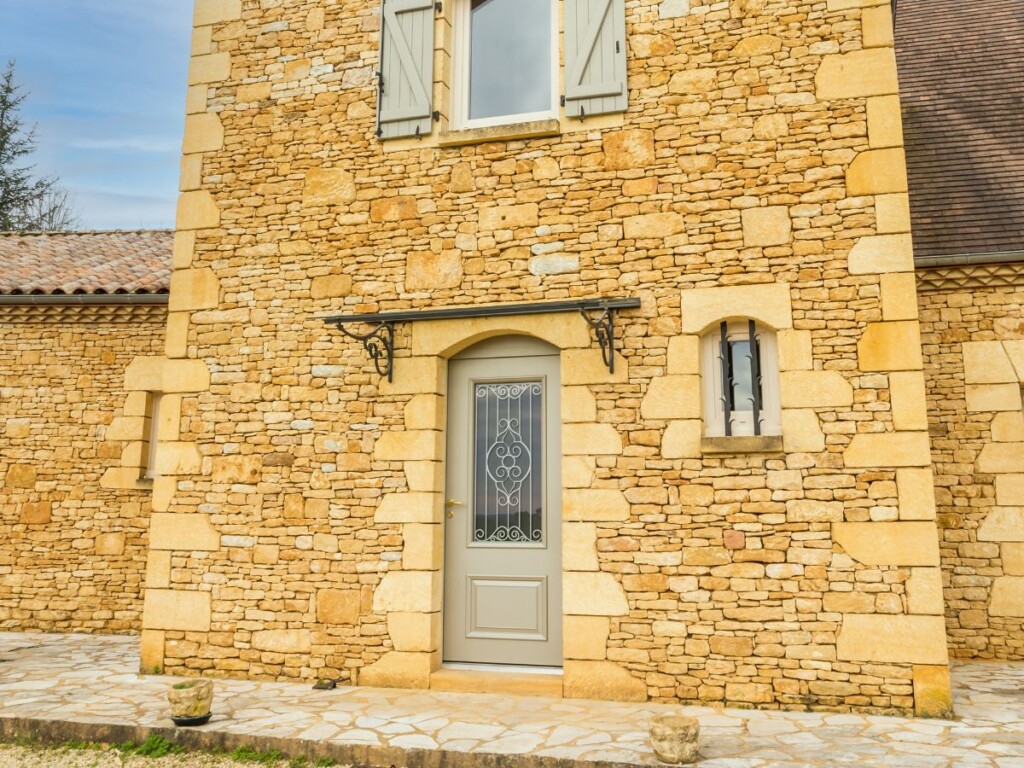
{"type": "Point", "coordinates": [85, 299]}
{"type": "Point", "coordinates": [928, 262]}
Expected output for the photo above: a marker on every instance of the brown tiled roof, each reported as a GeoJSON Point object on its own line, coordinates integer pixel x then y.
{"type": "Point", "coordinates": [85, 262]}
{"type": "Point", "coordinates": [962, 84]}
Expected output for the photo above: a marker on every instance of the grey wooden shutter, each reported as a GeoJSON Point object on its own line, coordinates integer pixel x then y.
{"type": "Point", "coordinates": [595, 57]}
{"type": "Point", "coordinates": [406, 76]}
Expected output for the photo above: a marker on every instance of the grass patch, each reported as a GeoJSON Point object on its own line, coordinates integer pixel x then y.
{"type": "Point", "coordinates": [79, 745]}
{"type": "Point", "coordinates": [303, 762]}
{"type": "Point", "coordinates": [155, 746]}
{"type": "Point", "coordinates": [246, 754]}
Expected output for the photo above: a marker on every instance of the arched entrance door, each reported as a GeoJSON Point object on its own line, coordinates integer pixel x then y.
{"type": "Point", "coordinates": [503, 532]}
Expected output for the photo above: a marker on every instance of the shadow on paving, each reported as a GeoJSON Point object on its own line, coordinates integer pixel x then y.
{"type": "Point", "coordinates": [56, 688]}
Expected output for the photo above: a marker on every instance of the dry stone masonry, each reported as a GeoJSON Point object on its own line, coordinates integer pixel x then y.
{"type": "Point", "coordinates": [758, 172]}
{"type": "Point", "coordinates": [74, 548]}
{"type": "Point", "coordinates": [973, 332]}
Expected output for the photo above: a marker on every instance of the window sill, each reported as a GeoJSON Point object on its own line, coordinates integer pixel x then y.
{"type": "Point", "coordinates": [534, 130]}
{"type": "Point", "coordinates": [741, 444]}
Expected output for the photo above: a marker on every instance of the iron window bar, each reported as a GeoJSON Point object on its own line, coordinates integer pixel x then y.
{"type": "Point", "coordinates": [755, 375]}
{"type": "Point", "coordinates": [727, 378]}
{"type": "Point", "coordinates": [379, 340]}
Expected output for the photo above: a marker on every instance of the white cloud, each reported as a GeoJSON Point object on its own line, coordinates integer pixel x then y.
{"type": "Point", "coordinates": [154, 144]}
{"type": "Point", "coordinates": [101, 209]}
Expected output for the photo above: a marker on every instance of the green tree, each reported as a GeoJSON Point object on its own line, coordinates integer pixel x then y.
{"type": "Point", "coordinates": [27, 203]}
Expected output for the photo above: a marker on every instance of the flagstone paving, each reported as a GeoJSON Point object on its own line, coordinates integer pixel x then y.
{"type": "Point", "coordinates": [89, 679]}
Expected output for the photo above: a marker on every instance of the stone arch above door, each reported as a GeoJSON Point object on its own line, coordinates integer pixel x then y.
{"type": "Point", "coordinates": [449, 338]}
{"type": "Point", "coordinates": [508, 345]}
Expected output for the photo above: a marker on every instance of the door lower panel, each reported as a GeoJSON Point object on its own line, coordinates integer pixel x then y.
{"type": "Point", "coordinates": [507, 607]}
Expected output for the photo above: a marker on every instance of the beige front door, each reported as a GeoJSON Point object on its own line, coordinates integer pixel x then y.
{"type": "Point", "coordinates": [503, 574]}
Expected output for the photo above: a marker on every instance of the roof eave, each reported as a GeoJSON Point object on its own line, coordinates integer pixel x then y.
{"type": "Point", "coordinates": [84, 299]}
{"type": "Point", "coordinates": [964, 259]}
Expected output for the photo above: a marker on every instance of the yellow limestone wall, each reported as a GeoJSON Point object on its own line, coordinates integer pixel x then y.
{"type": "Point", "coordinates": [74, 549]}
{"type": "Point", "coordinates": [974, 351]}
{"type": "Point", "coordinates": [759, 170]}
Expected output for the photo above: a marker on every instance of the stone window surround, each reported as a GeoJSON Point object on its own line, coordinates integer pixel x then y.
{"type": "Point", "coordinates": [802, 389]}
{"type": "Point", "coordinates": [148, 379]}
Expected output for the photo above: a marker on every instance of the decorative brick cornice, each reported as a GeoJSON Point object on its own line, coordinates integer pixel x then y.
{"type": "Point", "coordinates": [83, 314]}
{"type": "Point", "coordinates": [970, 277]}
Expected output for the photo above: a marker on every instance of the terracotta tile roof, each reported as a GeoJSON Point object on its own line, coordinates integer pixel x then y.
{"type": "Point", "coordinates": [962, 85]}
{"type": "Point", "coordinates": [85, 262]}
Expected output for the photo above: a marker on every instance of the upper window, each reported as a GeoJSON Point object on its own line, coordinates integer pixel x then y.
{"type": "Point", "coordinates": [505, 63]}
{"type": "Point", "coordinates": [508, 63]}
{"type": "Point", "coordinates": [741, 380]}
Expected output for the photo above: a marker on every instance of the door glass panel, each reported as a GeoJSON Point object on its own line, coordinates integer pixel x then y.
{"type": "Point", "coordinates": [508, 476]}
{"type": "Point", "coordinates": [510, 57]}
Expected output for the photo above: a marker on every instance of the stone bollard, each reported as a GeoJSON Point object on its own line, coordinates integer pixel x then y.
{"type": "Point", "coordinates": [675, 738]}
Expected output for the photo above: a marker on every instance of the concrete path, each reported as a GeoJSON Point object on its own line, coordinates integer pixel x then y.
{"type": "Point", "coordinates": [84, 687]}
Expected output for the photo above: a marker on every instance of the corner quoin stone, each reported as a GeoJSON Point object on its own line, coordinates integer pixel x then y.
{"type": "Point", "coordinates": [177, 610]}
{"type": "Point", "coordinates": [216, 11]}
{"type": "Point", "coordinates": [933, 695]}
{"type": "Point", "coordinates": [889, 543]}
{"type": "Point", "coordinates": [857, 74]}
{"type": "Point", "coordinates": [894, 639]}
{"type": "Point", "coordinates": [877, 172]}
{"type": "Point", "coordinates": [197, 210]}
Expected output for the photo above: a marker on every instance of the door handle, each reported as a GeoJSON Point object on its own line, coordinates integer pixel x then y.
{"type": "Point", "coordinates": [451, 504]}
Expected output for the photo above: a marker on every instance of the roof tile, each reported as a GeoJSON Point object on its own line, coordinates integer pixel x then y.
{"type": "Point", "coordinates": [962, 88]}
{"type": "Point", "coordinates": [85, 262]}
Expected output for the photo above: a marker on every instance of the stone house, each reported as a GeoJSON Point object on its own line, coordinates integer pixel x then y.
{"type": "Point", "coordinates": [966, 175]}
{"type": "Point", "coordinates": [606, 379]}
{"type": "Point", "coordinates": [75, 310]}
{"type": "Point", "coordinates": [624, 377]}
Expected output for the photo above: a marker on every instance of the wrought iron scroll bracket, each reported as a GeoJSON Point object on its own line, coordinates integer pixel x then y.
{"type": "Point", "coordinates": [379, 345]}
{"type": "Point", "coordinates": [603, 325]}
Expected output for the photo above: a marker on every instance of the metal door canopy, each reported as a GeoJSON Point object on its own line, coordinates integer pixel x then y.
{"type": "Point", "coordinates": [379, 340]}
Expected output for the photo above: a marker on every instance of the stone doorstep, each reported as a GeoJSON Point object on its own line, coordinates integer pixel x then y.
{"type": "Point", "coordinates": [207, 738]}
{"type": "Point", "coordinates": [485, 681]}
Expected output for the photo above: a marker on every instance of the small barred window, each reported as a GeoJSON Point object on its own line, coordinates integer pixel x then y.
{"type": "Point", "coordinates": [741, 380]}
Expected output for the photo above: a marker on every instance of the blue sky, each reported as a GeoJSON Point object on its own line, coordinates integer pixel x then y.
{"type": "Point", "coordinates": [107, 81]}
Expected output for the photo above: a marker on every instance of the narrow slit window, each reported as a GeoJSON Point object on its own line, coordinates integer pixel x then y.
{"type": "Point", "coordinates": [152, 435]}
